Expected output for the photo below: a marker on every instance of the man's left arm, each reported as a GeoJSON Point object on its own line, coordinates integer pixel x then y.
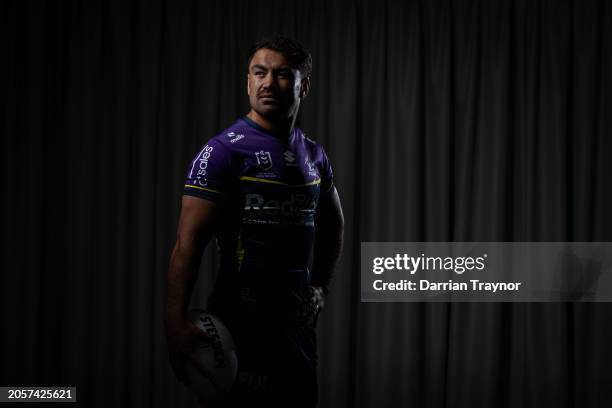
{"type": "Point", "coordinates": [329, 231]}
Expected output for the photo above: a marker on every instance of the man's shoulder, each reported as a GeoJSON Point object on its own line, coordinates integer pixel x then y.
{"type": "Point", "coordinates": [304, 137]}
{"type": "Point", "coordinates": [232, 135]}
{"type": "Point", "coordinates": [315, 148]}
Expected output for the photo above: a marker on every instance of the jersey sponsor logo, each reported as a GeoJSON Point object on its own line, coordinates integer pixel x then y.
{"type": "Point", "coordinates": [252, 381]}
{"type": "Point", "coordinates": [264, 159]}
{"type": "Point", "coordinates": [289, 158]}
{"type": "Point", "coordinates": [312, 170]}
{"type": "Point", "coordinates": [266, 175]}
{"type": "Point", "coordinates": [203, 165]}
{"type": "Point", "coordinates": [295, 205]}
{"type": "Point", "coordinates": [234, 137]}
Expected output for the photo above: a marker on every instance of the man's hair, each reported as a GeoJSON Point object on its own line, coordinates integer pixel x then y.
{"type": "Point", "coordinates": [296, 55]}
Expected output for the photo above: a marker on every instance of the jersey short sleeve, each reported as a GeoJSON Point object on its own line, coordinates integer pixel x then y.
{"type": "Point", "coordinates": [327, 175]}
{"type": "Point", "coordinates": [209, 174]}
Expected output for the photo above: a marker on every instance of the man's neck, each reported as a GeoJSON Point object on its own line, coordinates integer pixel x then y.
{"type": "Point", "coordinates": [281, 127]}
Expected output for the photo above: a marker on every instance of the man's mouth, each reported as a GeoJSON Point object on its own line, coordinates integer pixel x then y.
{"type": "Point", "coordinates": [267, 97]}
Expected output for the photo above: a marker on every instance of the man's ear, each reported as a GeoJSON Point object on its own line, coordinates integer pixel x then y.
{"type": "Point", "coordinates": [305, 87]}
{"type": "Point", "coordinates": [248, 85]}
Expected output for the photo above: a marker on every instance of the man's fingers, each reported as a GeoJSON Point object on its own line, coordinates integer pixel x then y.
{"type": "Point", "coordinates": [210, 376]}
{"type": "Point", "coordinates": [198, 366]}
{"type": "Point", "coordinates": [199, 337]}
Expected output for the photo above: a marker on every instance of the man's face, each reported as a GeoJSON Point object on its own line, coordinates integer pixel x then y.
{"type": "Point", "coordinates": [275, 88]}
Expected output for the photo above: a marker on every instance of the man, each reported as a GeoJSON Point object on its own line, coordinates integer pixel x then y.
{"type": "Point", "coordinates": [266, 192]}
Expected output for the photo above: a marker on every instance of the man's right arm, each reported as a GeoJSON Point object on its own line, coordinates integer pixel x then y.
{"type": "Point", "coordinates": [196, 226]}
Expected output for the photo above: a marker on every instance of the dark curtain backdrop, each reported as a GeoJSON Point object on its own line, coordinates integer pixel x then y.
{"type": "Point", "coordinates": [444, 120]}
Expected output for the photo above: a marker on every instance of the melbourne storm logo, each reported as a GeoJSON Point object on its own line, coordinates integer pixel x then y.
{"type": "Point", "coordinates": [264, 159]}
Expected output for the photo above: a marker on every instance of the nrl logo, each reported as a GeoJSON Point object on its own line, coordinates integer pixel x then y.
{"type": "Point", "coordinates": [264, 159]}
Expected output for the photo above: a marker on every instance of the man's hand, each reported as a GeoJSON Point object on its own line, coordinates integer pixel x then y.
{"type": "Point", "coordinates": [312, 303]}
{"type": "Point", "coordinates": [183, 338]}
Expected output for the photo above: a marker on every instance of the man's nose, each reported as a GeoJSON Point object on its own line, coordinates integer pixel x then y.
{"type": "Point", "coordinates": [269, 80]}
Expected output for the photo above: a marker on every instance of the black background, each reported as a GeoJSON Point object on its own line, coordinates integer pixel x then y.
{"type": "Point", "coordinates": [444, 120]}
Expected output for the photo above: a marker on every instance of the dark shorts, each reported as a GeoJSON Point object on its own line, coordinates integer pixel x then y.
{"type": "Point", "coordinates": [277, 363]}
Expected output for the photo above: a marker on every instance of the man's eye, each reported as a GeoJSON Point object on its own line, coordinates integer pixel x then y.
{"type": "Point", "coordinates": [284, 74]}
{"type": "Point", "coordinates": [260, 73]}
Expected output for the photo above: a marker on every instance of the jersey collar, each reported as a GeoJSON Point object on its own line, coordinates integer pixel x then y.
{"type": "Point", "coordinates": [255, 126]}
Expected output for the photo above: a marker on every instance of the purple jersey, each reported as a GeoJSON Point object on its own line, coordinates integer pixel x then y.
{"type": "Point", "coordinates": [269, 188]}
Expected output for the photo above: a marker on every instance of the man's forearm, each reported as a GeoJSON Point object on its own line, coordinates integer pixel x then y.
{"type": "Point", "coordinates": [196, 226]}
{"type": "Point", "coordinates": [327, 250]}
{"type": "Point", "coordinates": [329, 233]}
{"type": "Point", "coordinates": [182, 274]}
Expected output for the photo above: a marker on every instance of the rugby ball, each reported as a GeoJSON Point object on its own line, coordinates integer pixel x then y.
{"type": "Point", "coordinates": [217, 359]}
